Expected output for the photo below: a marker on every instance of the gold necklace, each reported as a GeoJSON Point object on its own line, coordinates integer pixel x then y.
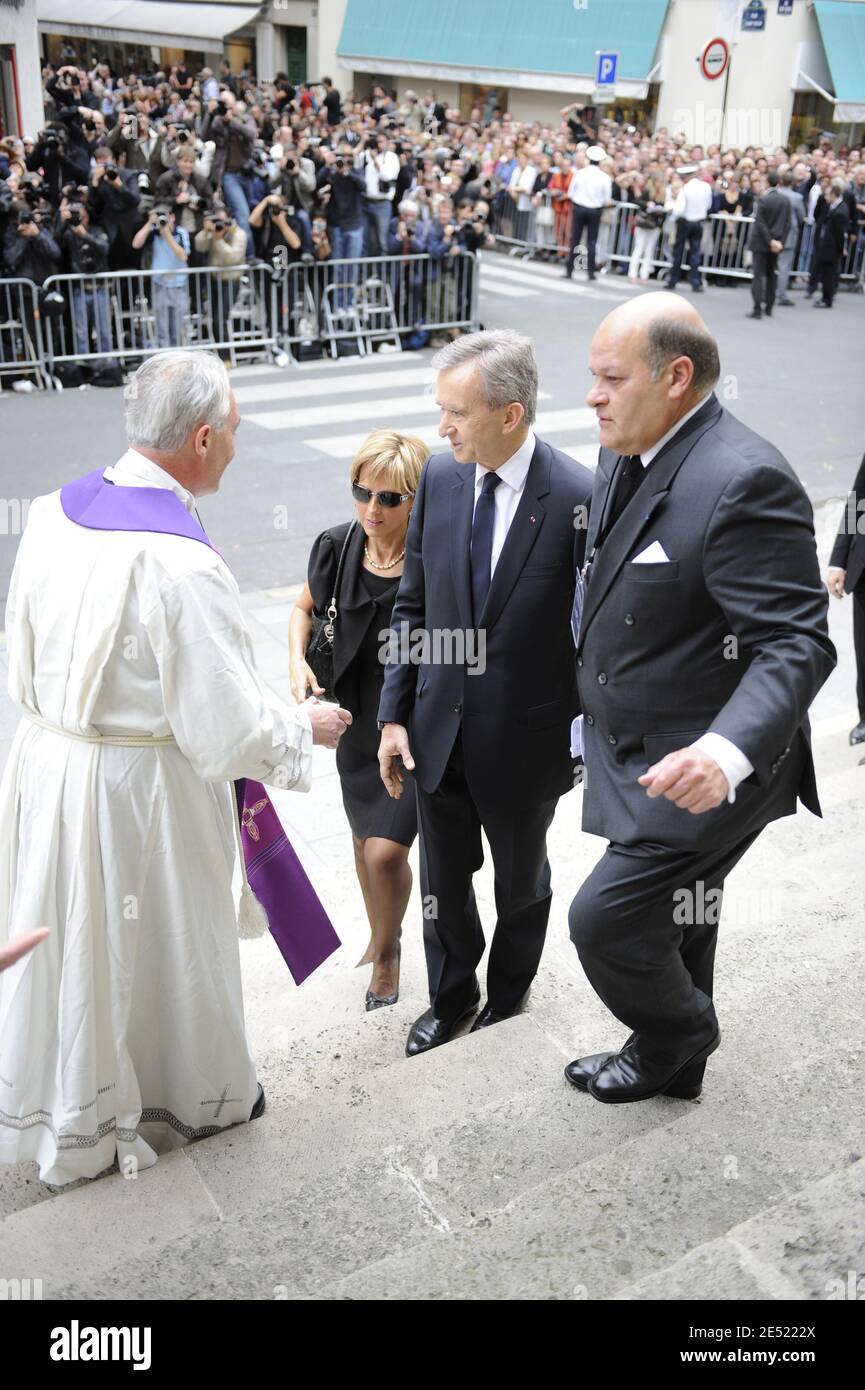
{"type": "Point", "coordinates": [375, 563]}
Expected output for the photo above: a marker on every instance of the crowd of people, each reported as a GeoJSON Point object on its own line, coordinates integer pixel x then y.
{"type": "Point", "coordinates": [169, 171]}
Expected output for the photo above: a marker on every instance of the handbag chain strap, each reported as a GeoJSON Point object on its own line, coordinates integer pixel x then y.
{"type": "Point", "coordinates": [331, 610]}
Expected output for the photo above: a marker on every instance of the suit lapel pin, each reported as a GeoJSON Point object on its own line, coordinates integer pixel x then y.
{"type": "Point", "coordinates": [531, 518]}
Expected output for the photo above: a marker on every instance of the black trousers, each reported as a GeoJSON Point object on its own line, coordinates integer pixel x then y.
{"type": "Point", "coordinates": [763, 279]}
{"type": "Point", "coordinates": [859, 644]}
{"type": "Point", "coordinates": [451, 851]}
{"type": "Point", "coordinates": [690, 233]}
{"type": "Point", "coordinates": [645, 927]}
{"type": "Point", "coordinates": [828, 273]}
{"type": "Point", "coordinates": [590, 219]}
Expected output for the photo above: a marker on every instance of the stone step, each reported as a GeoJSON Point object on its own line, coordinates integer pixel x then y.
{"type": "Point", "coordinates": [809, 1247]}
{"type": "Point", "coordinates": [444, 1145]}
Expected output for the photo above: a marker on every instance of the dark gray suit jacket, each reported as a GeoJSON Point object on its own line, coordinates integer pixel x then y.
{"type": "Point", "coordinates": [729, 635]}
{"type": "Point", "coordinates": [848, 552]}
{"type": "Point", "coordinates": [515, 715]}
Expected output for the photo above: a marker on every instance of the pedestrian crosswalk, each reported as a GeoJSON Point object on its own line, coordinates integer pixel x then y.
{"type": "Point", "coordinates": [329, 408]}
{"type": "Point", "coordinates": [511, 278]}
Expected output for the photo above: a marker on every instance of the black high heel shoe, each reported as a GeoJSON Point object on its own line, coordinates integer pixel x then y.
{"type": "Point", "coordinates": [381, 1001]}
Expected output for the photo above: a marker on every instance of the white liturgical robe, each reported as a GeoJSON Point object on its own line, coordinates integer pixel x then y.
{"type": "Point", "coordinates": [122, 1034]}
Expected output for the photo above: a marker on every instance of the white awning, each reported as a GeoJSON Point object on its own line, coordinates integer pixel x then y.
{"type": "Point", "coordinates": [144, 21]}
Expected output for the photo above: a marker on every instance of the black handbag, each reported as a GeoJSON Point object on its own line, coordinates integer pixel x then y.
{"type": "Point", "coordinates": [319, 651]}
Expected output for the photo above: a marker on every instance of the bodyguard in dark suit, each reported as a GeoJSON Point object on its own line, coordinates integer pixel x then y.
{"type": "Point", "coordinates": [847, 576]}
{"type": "Point", "coordinates": [772, 218]}
{"type": "Point", "coordinates": [496, 527]}
{"type": "Point", "coordinates": [831, 225]}
{"type": "Point", "coordinates": [701, 643]}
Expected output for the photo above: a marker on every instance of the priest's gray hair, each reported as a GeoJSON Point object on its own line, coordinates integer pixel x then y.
{"type": "Point", "coordinates": [173, 393]}
{"type": "Point", "coordinates": [507, 364]}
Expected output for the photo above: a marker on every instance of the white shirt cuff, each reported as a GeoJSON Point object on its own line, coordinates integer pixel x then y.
{"type": "Point", "coordinates": [730, 759]}
{"type": "Point", "coordinates": [577, 737]}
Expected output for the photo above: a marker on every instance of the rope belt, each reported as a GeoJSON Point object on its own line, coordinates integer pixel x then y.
{"type": "Point", "coordinates": [118, 740]}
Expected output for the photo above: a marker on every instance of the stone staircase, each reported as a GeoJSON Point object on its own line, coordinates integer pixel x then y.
{"type": "Point", "coordinates": [475, 1171]}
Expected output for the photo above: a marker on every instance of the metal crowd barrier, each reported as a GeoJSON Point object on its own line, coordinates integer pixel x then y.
{"type": "Point", "coordinates": [346, 306]}
{"type": "Point", "coordinates": [723, 253]}
{"type": "Point", "coordinates": [21, 350]}
{"type": "Point", "coordinates": [351, 306]}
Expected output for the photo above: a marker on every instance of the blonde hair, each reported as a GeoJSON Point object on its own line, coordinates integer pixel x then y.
{"type": "Point", "coordinates": [398, 456]}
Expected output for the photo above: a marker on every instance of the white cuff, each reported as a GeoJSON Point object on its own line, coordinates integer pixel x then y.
{"type": "Point", "coordinates": [730, 759]}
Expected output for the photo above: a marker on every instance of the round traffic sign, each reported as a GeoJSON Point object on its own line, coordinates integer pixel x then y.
{"type": "Point", "coordinates": [714, 58]}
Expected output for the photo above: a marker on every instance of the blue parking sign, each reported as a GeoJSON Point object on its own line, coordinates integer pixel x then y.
{"type": "Point", "coordinates": [605, 69]}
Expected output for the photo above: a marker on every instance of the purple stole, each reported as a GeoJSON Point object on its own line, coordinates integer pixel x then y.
{"type": "Point", "coordinates": [297, 920]}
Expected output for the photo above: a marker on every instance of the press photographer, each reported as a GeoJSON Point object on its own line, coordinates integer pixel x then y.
{"type": "Point", "coordinates": [234, 133]}
{"type": "Point", "coordinates": [380, 168]}
{"type": "Point", "coordinates": [188, 193]}
{"type": "Point", "coordinates": [167, 249]}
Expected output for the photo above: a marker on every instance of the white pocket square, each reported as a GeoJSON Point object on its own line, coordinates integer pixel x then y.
{"type": "Point", "coordinates": [654, 554]}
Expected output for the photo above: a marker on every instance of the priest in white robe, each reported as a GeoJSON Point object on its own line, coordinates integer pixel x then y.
{"type": "Point", "coordinates": [123, 1034]}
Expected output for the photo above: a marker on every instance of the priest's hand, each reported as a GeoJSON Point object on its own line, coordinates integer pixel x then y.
{"type": "Point", "coordinates": [329, 722]}
{"type": "Point", "coordinates": [690, 778]}
{"type": "Point", "coordinates": [393, 746]}
{"type": "Point", "coordinates": [20, 946]}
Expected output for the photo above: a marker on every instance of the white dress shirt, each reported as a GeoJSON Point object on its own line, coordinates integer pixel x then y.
{"type": "Point", "coordinates": [693, 201]}
{"type": "Point", "coordinates": [730, 759]}
{"type": "Point", "coordinates": [508, 493]}
{"type": "Point", "coordinates": [590, 187]}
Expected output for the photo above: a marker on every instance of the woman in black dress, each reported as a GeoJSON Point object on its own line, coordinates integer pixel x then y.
{"type": "Point", "coordinates": [384, 479]}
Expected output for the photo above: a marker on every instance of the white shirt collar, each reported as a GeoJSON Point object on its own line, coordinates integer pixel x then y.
{"type": "Point", "coordinates": [514, 471]}
{"type": "Point", "coordinates": [648, 454]}
{"type": "Point", "coordinates": [136, 470]}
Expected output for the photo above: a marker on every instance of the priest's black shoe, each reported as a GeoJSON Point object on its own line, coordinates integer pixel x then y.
{"type": "Point", "coordinates": [258, 1108]}
{"type": "Point", "coordinates": [428, 1031]}
{"type": "Point", "coordinates": [579, 1073]}
{"type": "Point", "coordinates": [630, 1075]}
{"type": "Point", "coordinates": [857, 735]}
{"type": "Point", "coordinates": [488, 1015]}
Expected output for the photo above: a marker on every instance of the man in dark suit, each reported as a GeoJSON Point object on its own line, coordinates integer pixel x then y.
{"type": "Point", "coordinates": [831, 225]}
{"type": "Point", "coordinates": [846, 575]}
{"type": "Point", "coordinates": [702, 641]}
{"type": "Point", "coordinates": [772, 218]}
{"type": "Point", "coordinates": [490, 554]}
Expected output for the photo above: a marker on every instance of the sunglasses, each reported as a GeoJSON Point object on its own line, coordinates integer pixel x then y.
{"type": "Point", "coordinates": [385, 499]}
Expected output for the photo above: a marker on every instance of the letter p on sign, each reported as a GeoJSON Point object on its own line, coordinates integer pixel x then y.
{"type": "Point", "coordinates": [605, 69]}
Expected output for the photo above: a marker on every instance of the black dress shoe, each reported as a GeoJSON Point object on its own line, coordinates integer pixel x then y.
{"type": "Point", "coordinates": [755, 314]}
{"type": "Point", "coordinates": [630, 1076]}
{"type": "Point", "coordinates": [767, 312]}
{"type": "Point", "coordinates": [857, 735]}
{"type": "Point", "coordinates": [821, 304]}
{"type": "Point", "coordinates": [428, 1031]}
{"type": "Point", "coordinates": [579, 1073]}
{"type": "Point", "coordinates": [379, 1001]}
{"type": "Point", "coordinates": [488, 1015]}
{"type": "Point", "coordinates": [258, 1108]}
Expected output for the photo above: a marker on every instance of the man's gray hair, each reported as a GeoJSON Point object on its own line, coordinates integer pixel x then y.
{"type": "Point", "coordinates": [838, 186]}
{"type": "Point", "coordinates": [507, 365]}
{"type": "Point", "coordinates": [174, 393]}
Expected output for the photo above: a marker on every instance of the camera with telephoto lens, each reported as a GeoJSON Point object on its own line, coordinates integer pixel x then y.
{"type": "Point", "coordinates": [76, 213]}
{"type": "Point", "coordinates": [50, 139]}
{"type": "Point", "coordinates": [221, 108]}
{"type": "Point", "coordinates": [25, 216]}
{"type": "Point", "coordinates": [162, 219]}
{"type": "Point", "coordinates": [219, 224]}
{"type": "Point", "coordinates": [183, 136]}
{"type": "Point", "coordinates": [112, 173]}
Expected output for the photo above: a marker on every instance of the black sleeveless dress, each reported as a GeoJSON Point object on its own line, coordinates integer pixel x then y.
{"type": "Point", "coordinates": [364, 607]}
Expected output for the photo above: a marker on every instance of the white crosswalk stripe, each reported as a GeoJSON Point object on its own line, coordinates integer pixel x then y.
{"type": "Point", "coordinates": [493, 285]}
{"type": "Point", "coordinates": [289, 388]}
{"type": "Point", "coordinates": [345, 446]}
{"type": "Point", "coordinates": [383, 408]}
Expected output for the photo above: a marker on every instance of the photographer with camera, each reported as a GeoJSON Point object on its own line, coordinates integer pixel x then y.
{"type": "Point", "coordinates": [167, 249]}
{"type": "Point", "coordinates": [276, 226]}
{"type": "Point", "coordinates": [58, 161]}
{"type": "Point", "coordinates": [85, 251]}
{"type": "Point", "coordinates": [380, 168]}
{"type": "Point", "coordinates": [222, 244]}
{"type": "Point", "coordinates": [137, 144]}
{"type": "Point", "coordinates": [341, 189]}
{"type": "Point", "coordinates": [30, 251]}
{"type": "Point", "coordinates": [114, 202]}
{"type": "Point", "coordinates": [409, 238]}
{"type": "Point", "coordinates": [234, 133]}
{"type": "Point", "coordinates": [188, 192]}
{"type": "Point", "coordinates": [296, 181]}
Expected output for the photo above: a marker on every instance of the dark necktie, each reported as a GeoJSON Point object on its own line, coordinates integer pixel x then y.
{"type": "Point", "coordinates": [630, 477]}
{"type": "Point", "coordinates": [482, 543]}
